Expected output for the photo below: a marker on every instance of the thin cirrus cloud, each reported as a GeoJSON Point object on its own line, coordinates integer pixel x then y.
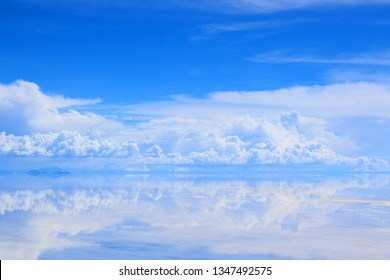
{"type": "Point", "coordinates": [218, 28]}
{"type": "Point", "coordinates": [220, 6]}
{"type": "Point", "coordinates": [265, 6]}
{"type": "Point", "coordinates": [378, 58]}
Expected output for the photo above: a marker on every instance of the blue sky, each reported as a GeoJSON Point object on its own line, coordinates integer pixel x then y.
{"type": "Point", "coordinates": [138, 52]}
{"type": "Point", "coordinates": [160, 78]}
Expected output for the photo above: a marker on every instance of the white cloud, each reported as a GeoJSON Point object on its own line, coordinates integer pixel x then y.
{"type": "Point", "coordinates": [291, 125]}
{"type": "Point", "coordinates": [266, 6]}
{"type": "Point", "coordinates": [25, 109]}
{"type": "Point", "coordinates": [219, 6]}
{"type": "Point", "coordinates": [336, 100]}
{"type": "Point", "coordinates": [64, 144]}
{"type": "Point", "coordinates": [260, 115]}
{"type": "Point", "coordinates": [277, 145]}
{"type": "Point", "coordinates": [217, 28]}
{"type": "Point", "coordinates": [332, 101]}
{"type": "Point", "coordinates": [379, 58]}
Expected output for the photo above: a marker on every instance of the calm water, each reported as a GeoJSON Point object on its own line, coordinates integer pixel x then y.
{"type": "Point", "coordinates": [64, 216]}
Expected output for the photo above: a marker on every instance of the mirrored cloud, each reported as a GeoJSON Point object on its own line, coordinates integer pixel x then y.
{"type": "Point", "coordinates": [289, 219]}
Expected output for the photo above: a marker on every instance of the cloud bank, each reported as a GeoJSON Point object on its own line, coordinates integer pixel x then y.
{"type": "Point", "coordinates": [198, 149]}
{"type": "Point", "coordinates": [281, 126]}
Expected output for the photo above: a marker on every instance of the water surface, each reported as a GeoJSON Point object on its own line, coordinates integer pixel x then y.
{"type": "Point", "coordinates": [60, 215]}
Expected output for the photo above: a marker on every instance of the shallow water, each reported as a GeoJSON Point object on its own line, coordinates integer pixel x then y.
{"type": "Point", "coordinates": [133, 216]}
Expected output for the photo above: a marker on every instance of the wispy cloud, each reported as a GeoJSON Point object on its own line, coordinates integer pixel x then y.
{"type": "Point", "coordinates": [220, 6]}
{"type": "Point", "coordinates": [378, 58]}
{"type": "Point", "coordinates": [217, 28]}
{"type": "Point", "coordinates": [266, 6]}
{"type": "Point", "coordinates": [340, 74]}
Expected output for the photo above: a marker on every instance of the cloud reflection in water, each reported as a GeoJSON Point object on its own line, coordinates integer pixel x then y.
{"type": "Point", "coordinates": [124, 217]}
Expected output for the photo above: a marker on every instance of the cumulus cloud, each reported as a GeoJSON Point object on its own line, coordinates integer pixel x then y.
{"type": "Point", "coordinates": [291, 125]}
{"type": "Point", "coordinates": [25, 109]}
{"type": "Point", "coordinates": [186, 141]}
{"type": "Point", "coordinates": [280, 143]}
{"type": "Point", "coordinates": [327, 114]}
{"type": "Point", "coordinates": [64, 144]}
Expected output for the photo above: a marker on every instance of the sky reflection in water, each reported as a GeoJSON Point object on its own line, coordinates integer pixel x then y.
{"type": "Point", "coordinates": [146, 217]}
